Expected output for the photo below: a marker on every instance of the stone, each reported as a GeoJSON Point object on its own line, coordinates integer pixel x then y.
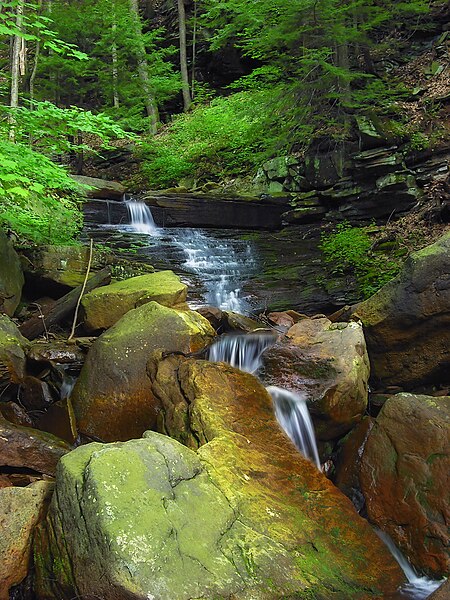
{"type": "Point", "coordinates": [15, 414]}
{"type": "Point", "coordinates": [104, 306]}
{"type": "Point", "coordinates": [55, 351]}
{"type": "Point", "coordinates": [278, 168]}
{"type": "Point", "coordinates": [101, 188]}
{"type": "Point", "coordinates": [243, 517]}
{"type": "Point", "coordinates": [21, 509]}
{"type": "Point", "coordinates": [35, 394]}
{"type": "Point", "coordinates": [11, 276]}
{"type": "Point", "coordinates": [407, 322]}
{"type": "Point", "coordinates": [328, 363]}
{"type": "Point", "coordinates": [12, 352]}
{"type": "Point", "coordinates": [236, 322]}
{"type": "Point", "coordinates": [214, 315]}
{"type": "Point", "coordinates": [405, 477]}
{"type": "Point", "coordinates": [442, 593]}
{"type": "Point", "coordinates": [25, 447]}
{"type": "Point", "coordinates": [112, 398]}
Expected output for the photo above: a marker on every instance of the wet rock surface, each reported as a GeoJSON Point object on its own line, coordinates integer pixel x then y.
{"type": "Point", "coordinates": [405, 477]}
{"type": "Point", "coordinates": [12, 352]}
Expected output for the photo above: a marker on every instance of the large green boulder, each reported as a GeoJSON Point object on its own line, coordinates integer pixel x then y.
{"type": "Point", "coordinates": [405, 477]}
{"type": "Point", "coordinates": [11, 276]}
{"type": "Point", "coordinates": [112, 398]}
{"type": "Point", "coordinates": [407, 322]}
{"type": "Point", "coordinates": [12, 352]}
{"type": "Point", "coordinates": [244, 517]}
{"type": "Point", "coordinates": [104, 306]}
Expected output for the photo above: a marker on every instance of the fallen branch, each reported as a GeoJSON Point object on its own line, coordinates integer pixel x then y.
{"type": "Point", "coordinates": [83, 287]}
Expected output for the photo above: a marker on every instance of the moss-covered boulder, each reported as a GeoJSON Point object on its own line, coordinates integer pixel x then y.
{"type": "Point", "coordinates": [112, 398]}
{"type": "Point", "coordinates": [328, 363]}
{"type": "Point", "coordinates": [244, 516]}
{"type": "Point", "coordinates": [407, 322]}
{"type": "Point", "coordinates": [104, 306]}
{"type": "Point", "coordinates": [12, 352]}
{"type": "Point", "coordinates": [21, 508]}
{"type": "Point", "coordinates": [11, 276]}
{"type": "Point", "coordinates": [405, 477]}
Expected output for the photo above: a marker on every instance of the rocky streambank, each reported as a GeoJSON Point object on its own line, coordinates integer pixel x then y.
{"type": "Point", "coordinates": [162, 474]}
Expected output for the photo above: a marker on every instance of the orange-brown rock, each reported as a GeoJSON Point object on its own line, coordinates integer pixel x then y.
{"type": "Point", "coordinates": [407, 322]}
{"type": "Point", "coordinates": [12, 352]}
{"type": "Point", "coordinates": [112, 398]}
{"type": "Point", "coordinates": [405, 477]}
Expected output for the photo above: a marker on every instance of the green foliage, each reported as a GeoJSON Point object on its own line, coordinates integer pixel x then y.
{"type": "Point", "coordinates": [37, 197]}
{"type": "Point", "coordinates": [349, 250]}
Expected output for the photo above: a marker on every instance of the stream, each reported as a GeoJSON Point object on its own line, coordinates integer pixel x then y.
{"type": "Point", "coordinates": [216, 265]}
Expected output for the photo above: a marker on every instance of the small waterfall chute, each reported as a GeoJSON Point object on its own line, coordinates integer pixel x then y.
{"type": "Point", "coordinates": [293, 416]}
{"type": "Point", "coordinates": [242, 351]}
{"type": "Point", "coordinates": [418, 587]}
{"type": "Point", "coordinates": [141, 218]}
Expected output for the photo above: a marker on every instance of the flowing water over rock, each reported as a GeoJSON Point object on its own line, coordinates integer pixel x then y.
{"type": "Point", "coordinates": [244, 352]}
{"type": "Point", "coordinates": [141, 217]}
{"type": "Point", "coordinates": [418, 587]}
{"type": "Point", "coordinates": [293, 416]}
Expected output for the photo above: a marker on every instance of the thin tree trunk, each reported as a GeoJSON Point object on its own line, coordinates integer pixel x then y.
{"type": "Point", "coordinates": [150, 104]}
{"type": "Point", "coordinates": [115, 67]}
{"type": "Point", "coordinates": [16, 64]}
{"type": "Point", "coordinates": [183, 56]}
{"type": "Point", "coordinates": [35, 63]}
{"type": "Point", "coordinates": [194, 51]}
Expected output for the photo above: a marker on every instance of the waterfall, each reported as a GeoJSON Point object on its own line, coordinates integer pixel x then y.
{"type": "Point", "coordinates": [241, 351]}
{"type": "Point", "coordinates": [141, 218]}
{"type": "Point", "coordinates": [293, 416]}
{"type": "Point", "coordinates": [418, 586]}
{"type": "Point", "coordinates": [245, 352]}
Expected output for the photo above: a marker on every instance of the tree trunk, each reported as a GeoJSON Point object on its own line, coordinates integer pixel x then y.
{"type": "Point", "coordinates": [183, 56]}
{"type": "Point", "coordinates": [16, 65]}
{"type": "Point", "coordinates": [150, 104]}
{"type": "Point", "coordinates": [115, 68]}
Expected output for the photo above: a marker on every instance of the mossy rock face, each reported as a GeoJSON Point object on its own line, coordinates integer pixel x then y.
{"type": "Point", "coordinates": [21, 508]}
{"type": "Point", "coordinates": [328, 363]}
{"type": "Point", "coordinates": [11, 277]}
{"type": "Point", "coordinates": [405, 477]}
{"type": "Point", "coordinates": [104, 306]}
{"type": "Point", "coordinates": [112, 399]}
{"type": "Point", "coordinates": [12, 352]}
{"type": "Point", "coordinates": [407, 322]}
{"type": "Point", "coordinates": [243, 517]}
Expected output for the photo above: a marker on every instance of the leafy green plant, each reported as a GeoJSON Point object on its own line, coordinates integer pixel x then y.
{"type": "Point", "coordinates": [37, 197]}
{"type": "Point", "coordinates": [349, 250]}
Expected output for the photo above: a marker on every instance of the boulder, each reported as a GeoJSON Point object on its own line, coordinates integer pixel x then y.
{"type": "Point", "coordinates": [328, 363]}
{"type": "Point", "coordinates": [244, 517]}
{"type": "Point", "coordinates": [407, 322]}
{"type": "Point", "coordinates": [112, 398]}
{"type": "Point", "coordinates": [405, 477]}
{"type": "Point", "coordinates": [11, 276]}
{"type": "Point", "coordinates": [104, 306]}
{"type": "Point", "coordinates": [101, 188]}
{"type": "Point", "coordinates": [442, 593]}
{"type": "Point", "coordinates": [21, 508]}
{"type": "Point", "coordinates": [12, 352]}
{"type": "Point", "coordinates": [25, 447]}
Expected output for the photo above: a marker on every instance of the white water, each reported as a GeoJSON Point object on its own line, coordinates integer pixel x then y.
{"type": "Point", "coordinates": [141, 217]}
{"type": "Point", "coordinates": [244, 352]}
{"type": "Point", "coordinates": [241, 351]}
{"type": "Point", "coordinates": [293, 416]}
{"type": "Point", "coordinates": [418, 586]}
{"type": "Point", "coordinates": [220, 264]}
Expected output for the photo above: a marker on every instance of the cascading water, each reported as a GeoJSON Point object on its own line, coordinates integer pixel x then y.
{"type": "Point", "coordinates": [418, 587]}
{"type": "Point", "coordinates": [221, 264]}
{"type": "Point", "coordinates": [293, 416]}
{"type": "Point", "coordinates": [245, 352]}
{"type": "Point", "coordinates": [241, 351]}
{"type": "Point", "coordinates": [141, 218]}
